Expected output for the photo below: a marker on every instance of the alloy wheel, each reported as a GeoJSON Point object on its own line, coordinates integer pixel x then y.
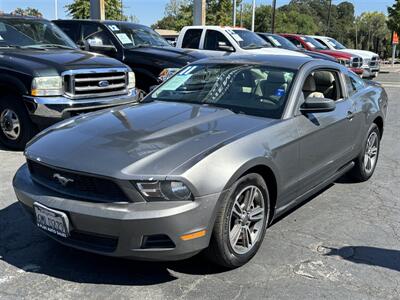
{"type": "Point", "coordinates": [371, 152]}
{"type": "Point", "coordinates": [246, 219]}
{"type": "Point", "coordinates": [10, 124]}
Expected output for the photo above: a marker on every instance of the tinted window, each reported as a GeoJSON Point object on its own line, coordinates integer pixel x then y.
{"type": "Point", "coordinates": [354, 83]}
{"type": "Point", "coordinates": [214, 39]}
{"type": "Point", "coordinates": [295, 42]}
{"type": "Point", "coordinates": [192, 38]}
{"type": "Point", "coordinates": [281, 42]}
{"type": "Point", "coordinates": [249, 89]}
{"type": "Point", "coordinates": [71, 29]}
{"type": "Point", "coordinates": [95, 35]}
{"type": "Point", "coordinates": [313, 43]}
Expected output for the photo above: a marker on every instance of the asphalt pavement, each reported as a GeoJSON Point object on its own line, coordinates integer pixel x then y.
{"type": "Point", "coordinates": [344, 243]}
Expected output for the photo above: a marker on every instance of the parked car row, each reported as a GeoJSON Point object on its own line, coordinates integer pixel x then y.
{"type": "Point", "coordinates": [222, 145]}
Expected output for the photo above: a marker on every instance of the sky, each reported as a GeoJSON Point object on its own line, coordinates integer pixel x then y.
{"type": "Point", "coordinates": [149, 11]}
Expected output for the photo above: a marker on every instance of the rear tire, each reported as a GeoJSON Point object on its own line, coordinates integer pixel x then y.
{"type": "Point", "coordinates": [16, 127]}
{"type": "Point", "coordinates": [365, 163]}
{"type": "Point", "coordinates": [241, 224]}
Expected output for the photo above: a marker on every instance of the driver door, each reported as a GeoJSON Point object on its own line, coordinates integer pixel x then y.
{"type": "Point", "coordinates": [326, 138]}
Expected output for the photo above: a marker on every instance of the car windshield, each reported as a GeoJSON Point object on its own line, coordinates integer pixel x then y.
{"type": "Point", "coordinates": [247, 39]}
{"type": "Point", "coordinates": [313, 43]}
{"type": "Point", "coordinates": [133, 36]}
{"type": "Point", "coordinates": [335, 44]}
{"type": "Point", "coordinates": [249, 89]}
{"type": "Point", "coordinates": [32, 33]}
{"type": "Point", "coordinates": [281, 42]}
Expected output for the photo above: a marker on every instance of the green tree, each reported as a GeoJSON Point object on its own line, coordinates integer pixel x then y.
{"type": "Point", "coordinates": [393, 21]}
{"type": "Point", "coordinates": [373, 30]}
{"type": "Point", "coordinates": [29, 11]}
{"type": "Point", "coordinates": [80, 9]}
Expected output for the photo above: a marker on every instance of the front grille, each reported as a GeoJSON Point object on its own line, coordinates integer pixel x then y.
{"type": "Point", "coordinates": [374, 62]}
{"type": "Point", "coordinates": [356, 62]}
{"type": "Point", "coordinates": [80, 186]}
{"type": "Point", "coordinates": [99, 84]}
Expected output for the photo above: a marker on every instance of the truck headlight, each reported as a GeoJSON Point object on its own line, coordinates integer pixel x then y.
{"type": "Point", "coordinates": [165, 190]}
{"type": "Point", "coordinates": [167, 73]}
{"type": "Point", "coordinates": [47, 86]}
{"type": "Point", "coordinates": [131, 80]}
{"type": "Point", "coordinates": [344, 61]}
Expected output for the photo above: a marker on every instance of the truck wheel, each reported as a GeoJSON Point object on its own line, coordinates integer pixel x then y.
{"type": "Point", "coordinates": [367, 160]}
{"type": "Point", "coordinates": [241, 223]}
{"type": "Point", "coordinates": [16, 127]}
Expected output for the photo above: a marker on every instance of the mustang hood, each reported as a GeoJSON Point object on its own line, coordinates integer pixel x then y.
{"type": "Point", "coordinates": [149, 139]}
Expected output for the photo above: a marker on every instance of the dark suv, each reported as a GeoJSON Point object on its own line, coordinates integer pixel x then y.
{"type": "Point", "coordinates": [44, 78]}
{"type": "Point", "coordinates": [149, 55]}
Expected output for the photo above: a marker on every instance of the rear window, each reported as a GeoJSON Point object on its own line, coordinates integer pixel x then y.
{"type": "Point", "coordinates": [192, 38]}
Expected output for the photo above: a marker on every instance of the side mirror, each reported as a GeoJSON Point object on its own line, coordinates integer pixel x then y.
{"type": "Point", "coordinates": [224, 47]}
{"type": "Point", "coordinates": [317, 105]}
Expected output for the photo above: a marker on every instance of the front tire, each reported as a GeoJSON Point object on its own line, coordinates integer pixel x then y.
{"type": "Point", "coordinates": [16, 127]}
{"type": "Point", "coordinates": [241, 222]}
{"type": "Point", "coordinates": [365, 163]}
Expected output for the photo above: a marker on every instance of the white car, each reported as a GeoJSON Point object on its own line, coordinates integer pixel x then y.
{"type": "Point", "coordinates": [371, 60]}
{"type": "Point", "coordinates": [222, 39]}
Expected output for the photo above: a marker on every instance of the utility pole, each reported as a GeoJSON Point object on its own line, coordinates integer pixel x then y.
{"type": "Point", "coordinates": [122, 10]}
{"type": "Point", "coordinates": [234, 13]}
{"type": "Point", "coordinates": [356, 34]}
{"type": "Point", "coordinates": [199, 12]}
{"type": "Point", "coordinates": [241, 15]}
{"type": "Point", "coordinates": [329, 17]}
{"type": "Point", "coordinates": [253, 15]}
{"type": "Point", "coordinates": [55, 10]}
{"type": "Point", "coordinates": [273, 16]}
{"type": "Point", "coordinates": [97, 10]}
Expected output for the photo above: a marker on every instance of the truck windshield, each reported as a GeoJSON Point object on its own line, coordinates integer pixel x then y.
{"type": "Point", "coordinates": [133, 36]}
{"type": "Point", "coordinates": [35, 33]}
{"type": "Point", "coordinates": [242, 88]}
{"type": "Point", "coordinates": [247, 39]}
{"type": "Point", "coordinates": [335, 44]}
{"type": "Point", "coordinates": [313, 43]}
{"type": "Point", "coordinates": [281, 42]}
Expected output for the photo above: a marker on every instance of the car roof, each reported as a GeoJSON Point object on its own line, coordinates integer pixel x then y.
{"type": "Point", "coordinates": [20, 17]}
{"type": "Point", "coordinates": [284, 61]}
{"type": "Point", "coordinates": [214, 27]}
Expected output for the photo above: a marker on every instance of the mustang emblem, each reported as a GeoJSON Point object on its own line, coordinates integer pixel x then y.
{"type": "Point", "coordinates": [62, 180]}
{"type": "Point", "coordinates": [104, 83]}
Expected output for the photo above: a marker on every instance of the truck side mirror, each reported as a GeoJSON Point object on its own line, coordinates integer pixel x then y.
{"type": "Point", "coordinates": [224, 47]}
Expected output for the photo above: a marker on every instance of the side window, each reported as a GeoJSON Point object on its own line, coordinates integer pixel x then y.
{"type": "Point", "coordinates": [192, 38]}
{"type": "Point", "coordinates": [322, 84]}
{"type": "Point", "coordinates": [214, 39]}
{"type": "Point", "coordinates": [71, 29]}
{"type": "Point", "coordinates": [295, 42]}
{"type": "Point", "coordinates": [95, 35]}
{"type": "Point", "coordinates": [354, 84]}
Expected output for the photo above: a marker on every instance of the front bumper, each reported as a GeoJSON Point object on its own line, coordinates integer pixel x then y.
{"type": "Point", "coordinates": [370, 71]}
{"type": "Point", "coordinates": [120, 229]}
{"type": "Point", "coordinates": [49, 110]}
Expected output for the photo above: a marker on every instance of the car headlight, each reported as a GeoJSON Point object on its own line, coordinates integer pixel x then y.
{"type": "Point", "coordinates": [131, 80]}
{"type": "Point", "coordinates": [47, 86]}
{"type": "Point", "coordinates": [165, 190]}
{"type": "Point", "coordinates": [167, 73]}
{"type": "Point", "coordinates": [344, 61]}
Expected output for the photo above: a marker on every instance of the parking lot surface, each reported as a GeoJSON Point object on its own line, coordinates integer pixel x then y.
{"type": "Point", "coordinates": [343, 243]}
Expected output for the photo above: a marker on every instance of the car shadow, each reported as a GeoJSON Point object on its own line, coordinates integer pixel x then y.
{"type": "Point", "coordinates": [24, 246]}
{"type": "Point", "coordinates": [372, 256]}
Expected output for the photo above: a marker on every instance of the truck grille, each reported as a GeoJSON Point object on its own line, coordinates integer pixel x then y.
{"type": "Point", "coordinates": [100, 83]}
{"type": "Point", "coordinates": [374, 62]}
{"type": "Point", "coordinates": [356, 62]}
{"type": "Point", "coordinates": [80, 186]}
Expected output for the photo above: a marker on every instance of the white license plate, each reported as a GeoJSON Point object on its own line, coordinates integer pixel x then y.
{"type": "Point", "coordinates": [51, 220]}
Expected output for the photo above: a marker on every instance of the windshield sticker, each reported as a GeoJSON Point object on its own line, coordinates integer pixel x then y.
{"type": "Point", "coordinates": [280, 92]}
{"type": "Point", "coordinates": [113, 27]}
{"type": "Point", "coordinates": [124, 39]}
{"type": "Point", "coordinates": [276, 42]}
{"type": "Point", "coordinates": [1, 38]}
{"type": "Point", "coordinates": [310, 45]}
{"type": "Point", "coordinates": [175, 83]}
{"type": "Point", "coordinates": [3, 27]}
{"type": "Point", "coordinates": [237, 37]}
{"type": "Point", "coordinates": [332, 44]}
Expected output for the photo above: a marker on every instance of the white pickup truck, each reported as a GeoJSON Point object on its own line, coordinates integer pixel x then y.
{"type": "Point", "coordinates": [370, 59]}
{"type": "Point", "coordinates": [214, 39]}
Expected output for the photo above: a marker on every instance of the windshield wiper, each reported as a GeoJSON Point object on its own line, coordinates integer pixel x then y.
{"type": "Point", "coordinates": [52, 46]}
{"type": "Point", "coordinates": [235, 111]}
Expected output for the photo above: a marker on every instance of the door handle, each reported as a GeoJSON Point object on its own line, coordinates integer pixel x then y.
{"type": "Point", "coordinates": [350, 115]}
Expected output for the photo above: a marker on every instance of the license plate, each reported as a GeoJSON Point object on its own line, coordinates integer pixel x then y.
{"type": "Point", "coordinates": [51, 220]}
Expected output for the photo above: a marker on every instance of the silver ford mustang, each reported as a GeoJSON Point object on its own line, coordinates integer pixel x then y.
{"type": "Point", "coordinates": [206, 161]}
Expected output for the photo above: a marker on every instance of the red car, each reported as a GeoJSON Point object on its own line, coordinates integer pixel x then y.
{"type": "Point", "coordinates": [353, 62]}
